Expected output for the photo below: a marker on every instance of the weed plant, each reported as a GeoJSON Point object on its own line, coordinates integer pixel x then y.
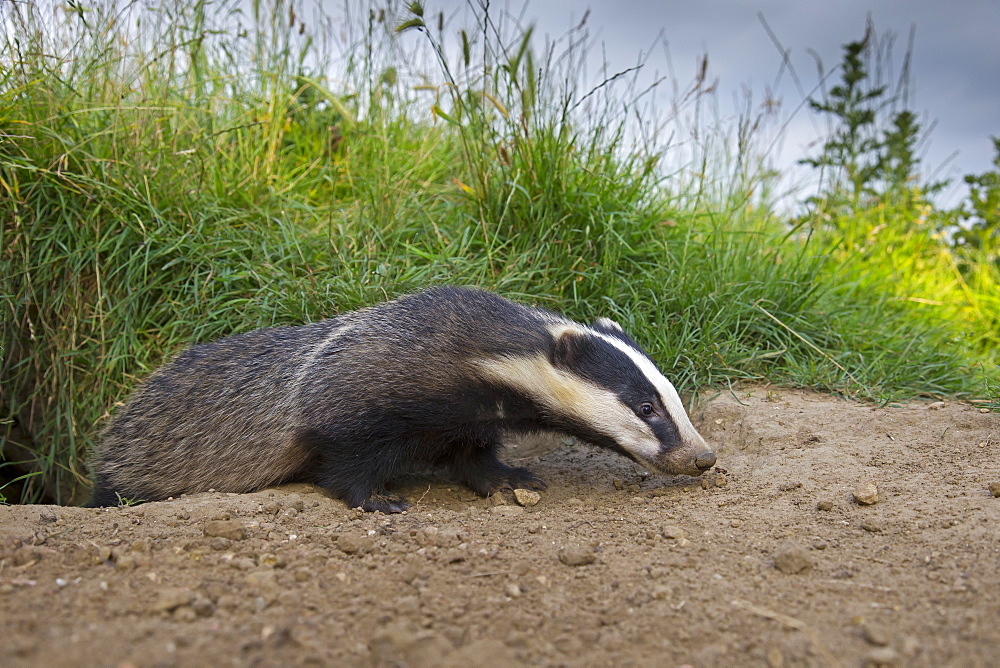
{"type": "Point", "coordinates": [172, 173]}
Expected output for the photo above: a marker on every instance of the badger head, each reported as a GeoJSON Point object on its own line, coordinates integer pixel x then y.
{"type": "Point", "coordinates": [598, 384]}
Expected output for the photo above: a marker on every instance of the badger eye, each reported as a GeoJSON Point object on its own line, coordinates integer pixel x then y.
{"type": "Point", "coordinates": [647, 409]}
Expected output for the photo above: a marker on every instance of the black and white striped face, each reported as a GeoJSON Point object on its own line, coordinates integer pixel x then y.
{"type": "Point", "coordinates": [598, 381]}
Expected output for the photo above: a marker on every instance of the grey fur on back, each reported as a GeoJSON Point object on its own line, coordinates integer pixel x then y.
{"type": "Point", "coordinates": [229, 415]}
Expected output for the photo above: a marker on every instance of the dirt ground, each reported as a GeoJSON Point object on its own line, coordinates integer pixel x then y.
{"type": "Point", "coordinates": [767, 560]}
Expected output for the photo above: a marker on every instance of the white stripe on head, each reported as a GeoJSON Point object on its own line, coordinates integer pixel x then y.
{"type": "Point", "coordinates": [609, 324]}
{"type": "Point", "coordinates": [563, 393]}
{"type": "Point", "coordinates": [671, 400]}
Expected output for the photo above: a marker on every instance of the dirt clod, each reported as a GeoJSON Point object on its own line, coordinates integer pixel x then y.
{"type": "Point", "coordinates": [577, 555]}
{"type": "Point", "coordinates": [231, 529]}
{"type": "Point", "coordinates": [350, 543]}
{"type": "Point", "coordinates": [792, 559]}
{"type": "Point", "coordinates": [169, 598]}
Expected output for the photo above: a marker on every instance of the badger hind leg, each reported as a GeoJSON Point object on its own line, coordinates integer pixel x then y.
{"type": "Point", "coordinates": [103, 496]}
{"type": "Point", "coordinates": [358, 474]}
{"type": "Point", "coordinates": [478, 468]}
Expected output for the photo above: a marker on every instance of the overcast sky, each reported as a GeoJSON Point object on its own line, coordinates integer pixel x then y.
{"type": "Point", "coordinates": [956, 60]}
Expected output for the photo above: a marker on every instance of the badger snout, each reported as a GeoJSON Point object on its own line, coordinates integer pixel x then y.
{"type": "Point", "coordinates": [683, 461]}
{"type": "Point", "coordinates": [705, 461]}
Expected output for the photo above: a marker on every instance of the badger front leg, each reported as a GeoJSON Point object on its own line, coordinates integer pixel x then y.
{"type": "Point", "coordinates": [477, 466]}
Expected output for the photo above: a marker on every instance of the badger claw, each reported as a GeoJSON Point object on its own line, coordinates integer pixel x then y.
{"type": "Point", "coordinates": [385, 503]}
{"type": "Point", "coordinates": [516, 478]}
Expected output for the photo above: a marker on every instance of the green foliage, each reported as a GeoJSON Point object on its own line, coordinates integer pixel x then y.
{"type": "Point", "coordinates": [179, 172]}
{"type": "Point", "coordinates": [981, 213]}
{"type": "Point", "coordinates": [871, 153]}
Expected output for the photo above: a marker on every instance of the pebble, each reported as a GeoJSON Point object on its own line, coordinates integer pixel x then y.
{"type": "Point", "coordinates": [995, 488]}
{"type": "Point", "coordinates": [791, 560]}
{"type": "Point", "coordinates": [577, 555]}
{"type": "Point", "coordinates": [789, 486]}
{"type": "Point", "coordinates": [824, 505]}
{"type": "Point", "coordinates": [736, 524]}
{"type": "Point", "coordinates": [618, 483]}
{"type": "Point", "coordinates": [527, 497]}
{"type": "Point", "coordinates": [866, 494]}
{"type": "Point", "coordinates": [881, 657]}
{"type": "Point", "coordinates": [875, 635]}
{"type": "Point", "coordinates": [721, 480]}
{"type": "Point", "coordinates": [231, 529]}
{"type": "Point", "coordinates": [873, 526]}
{"type": "Point", "coordinates": [507, 511]}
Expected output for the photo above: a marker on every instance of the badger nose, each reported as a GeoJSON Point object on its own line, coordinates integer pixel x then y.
{"type": "Point", "coordinates": [705, 461]}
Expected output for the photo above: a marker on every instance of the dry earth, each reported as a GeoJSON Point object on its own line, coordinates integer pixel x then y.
{"type": "Point", "coordinates": [768, 560]}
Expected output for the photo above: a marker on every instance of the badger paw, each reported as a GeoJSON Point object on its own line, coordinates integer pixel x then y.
{"type": "Point", "coordinates": [522, 478]}
{"type": "Point", "coordinates": [502, 478]}
{"type": "Point", "coordinates": [384, 502]}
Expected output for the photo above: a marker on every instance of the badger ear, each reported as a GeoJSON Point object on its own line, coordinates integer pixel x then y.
{"type": "Point", "coordinates": [569, 344]}
{"type": "Point", "coordinates": [608, 326]}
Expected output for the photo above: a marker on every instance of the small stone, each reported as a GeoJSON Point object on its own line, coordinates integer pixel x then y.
{"type": "Point", "coordinates": [721, 480]}
{"type": "Point", "coordinates": [824, 505]}
{"type": "Point", "coordinates": [881, 657]}
{"type": "Point", "coordinates": [618, 483]}
{"type": "Point", "coordinates": [170, 598]}
{"type": "Point", "coordinates": [736, 524]}
{"type": "Point", "coordinates": [512, 590]}
{"type": "Point", "coordinates": [202, 606]}
{"type": "Point", "coordinates": [875, 635]}
{"type": "Point", "coordinates": [219, 543]}
{"type": "Point", "coordinates": [789, 486]}
{"type": "Point", "coordinates": [866, 494]}
{"type": "Point", "coordinates": [995, 488]}
{"type": "Point", "coordinates": [577, 555]}
{"type": "Point", "coordinates": [936, 405]}
{"type": "Point", "coordinates": [231, 529]}
{"type": "Point", "coordinates": [791, 560]}
{"type": "Point", "coordinates": [527, 497]}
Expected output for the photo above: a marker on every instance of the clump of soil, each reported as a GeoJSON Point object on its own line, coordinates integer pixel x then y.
{"type": "Point", "coordinates": [770, 559]}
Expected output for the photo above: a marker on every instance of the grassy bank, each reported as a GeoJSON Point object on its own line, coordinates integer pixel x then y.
{"type": "Point", "coordinates": [172, 177]}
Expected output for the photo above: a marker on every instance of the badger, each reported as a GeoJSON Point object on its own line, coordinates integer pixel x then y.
{"type": "Point", "coordinates": [434, 378]}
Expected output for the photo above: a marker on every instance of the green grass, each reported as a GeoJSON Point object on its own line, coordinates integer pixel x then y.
{"type": "Point", "coordinates": [173, 189]}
